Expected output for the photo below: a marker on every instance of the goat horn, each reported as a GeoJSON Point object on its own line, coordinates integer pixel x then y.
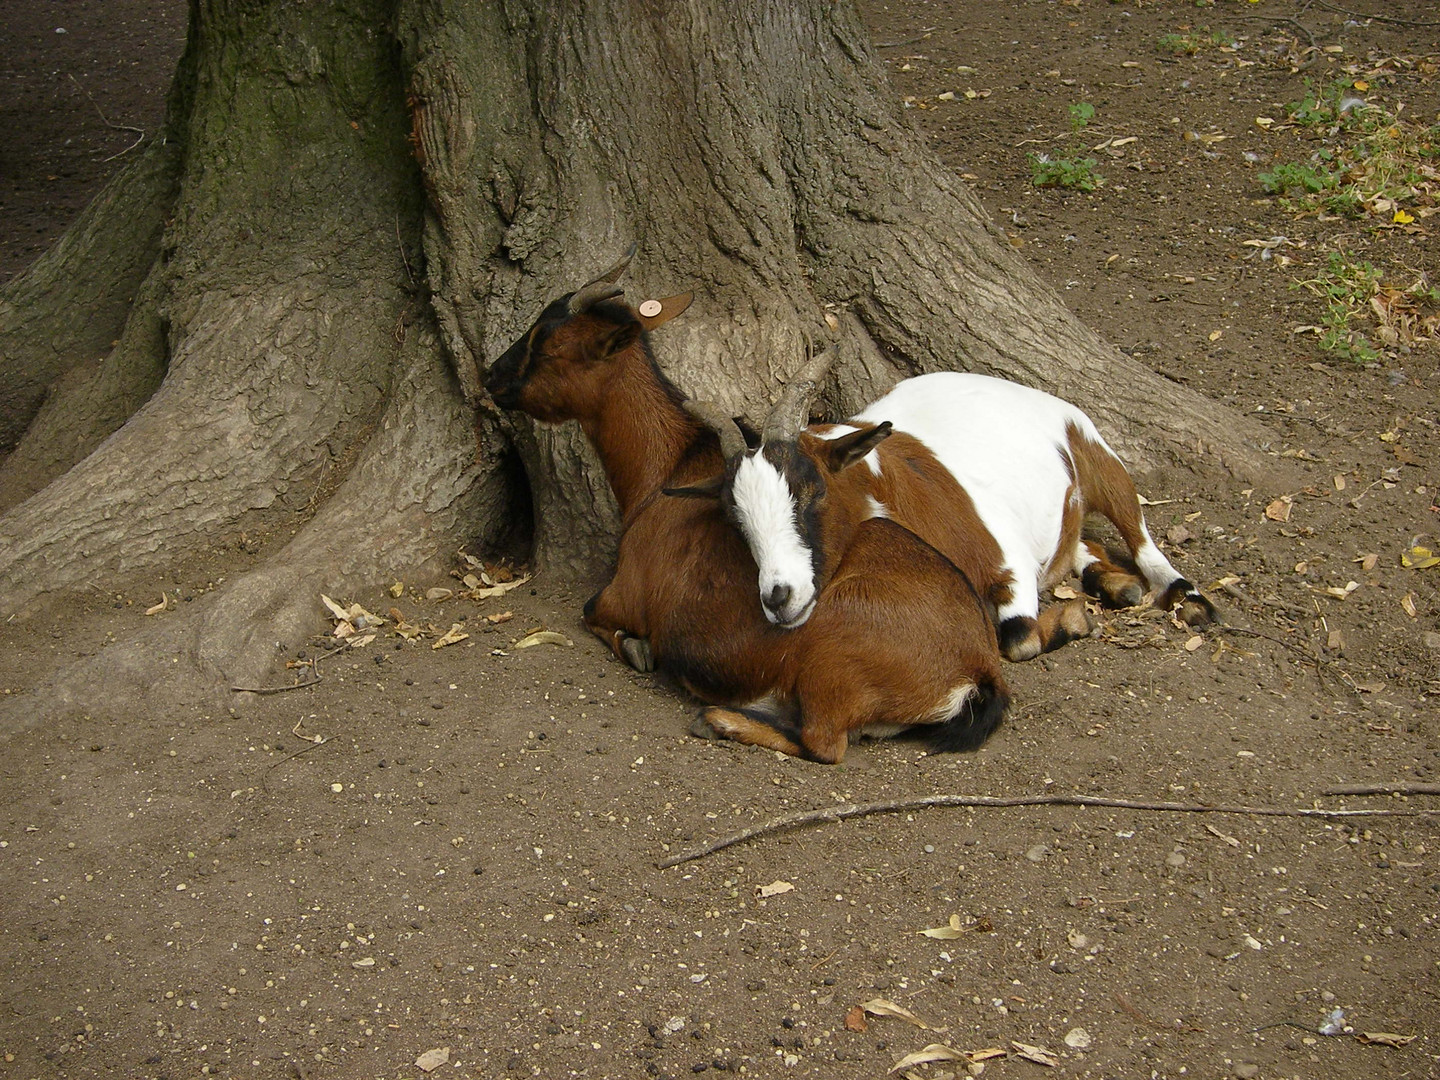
{"type": "Point", "coordinates": [602, 287]}
{"type": "Point", "coordinates": [792, 411]}
{"type": "Point", "coordinates": [718, 419]}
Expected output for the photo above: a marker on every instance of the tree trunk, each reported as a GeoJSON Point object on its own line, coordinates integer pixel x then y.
{"type": "Point", "coordinates": [346, 176]}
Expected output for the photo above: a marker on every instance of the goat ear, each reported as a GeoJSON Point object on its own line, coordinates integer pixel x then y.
{"type": "Point", "coordinates": [615, 338]}
{"type": "Point", "coordinates": [707, 489]}
{"type": "Point", "coordinates": [654, 312]}
{"type": "Point", "coordinates": [845, 451]}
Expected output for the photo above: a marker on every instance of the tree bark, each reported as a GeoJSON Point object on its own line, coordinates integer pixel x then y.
{"type": "Point", "coordinates": [360, 192]}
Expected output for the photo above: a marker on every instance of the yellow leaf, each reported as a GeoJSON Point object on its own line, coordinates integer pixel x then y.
{"type": "Point", "coordinates": [775, 888]}
{"type": "Point", "coordinates": [1361, 85]}
{"type": "Point", "coordinates": [1418, 558]}
{"type": "Point", "coordinates": [543, 637]}
{"type": "Point", "coordinates": [1402, 218]}
{"type": "Point", "coordinates": [1215, 334]}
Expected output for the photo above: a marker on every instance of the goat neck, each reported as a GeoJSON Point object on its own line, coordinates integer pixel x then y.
{"type": "Point", "coordinates": [641, 431]}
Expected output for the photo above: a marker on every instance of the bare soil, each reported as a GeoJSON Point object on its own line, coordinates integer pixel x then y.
{"type": "Point", "coordinates": [457, 847]}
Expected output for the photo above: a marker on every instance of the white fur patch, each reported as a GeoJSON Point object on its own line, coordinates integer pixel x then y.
{"type": "Point", "coordinates": [765, 510]}
{"type": "Point", "coordinates": [876, 507]}
{"type": "Point", "coordinates": [952, 704]}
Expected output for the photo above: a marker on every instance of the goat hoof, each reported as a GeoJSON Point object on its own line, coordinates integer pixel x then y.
{"type": "Point", "coordinates": [1075, 620]}
{"type": "Point", "coordinates": [1019, 639]}
{"type": "Point", "coordinates": [701, 729]}
{"type": "Point", "coordinates": [1132, 595]}
{"type": "Point", "coordinates": [1114, 588]}
{"type": "Point", "coordinates": [637, 653]}
{"type": "Point", "coordinates": [1195, 610]}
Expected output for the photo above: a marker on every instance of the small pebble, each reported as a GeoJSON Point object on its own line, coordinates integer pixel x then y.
{"type": "Point", "coordinates": [1077, 1039]}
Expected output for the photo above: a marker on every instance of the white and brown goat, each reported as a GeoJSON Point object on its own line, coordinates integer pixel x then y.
{"type": "Point", "coordinates": [955, 457]}
{"type": "Point", "coordinates": [898, 638]}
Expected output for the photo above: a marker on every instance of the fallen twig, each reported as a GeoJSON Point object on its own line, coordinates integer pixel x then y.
{"type": "Point", "coordinates": [314, 669]}
{"type": "Point", "coordinates": [849, 810]}
{"type": "Point", "coordinates": [108, 123]}
{"type": "Point", "coordinates": [1126, 1007]}
{"type": "Point", "coordinates": [924, 33]}
{"type": "Point", "coordinates": [1383, 789]}
{"type": "Point", "coordinates": [1316, 661]}
{"type": "Point", "coordinates": [1392, 20]}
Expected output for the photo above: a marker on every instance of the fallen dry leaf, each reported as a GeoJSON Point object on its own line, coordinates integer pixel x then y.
{"type": "Point", "coordinates": [1279, 510]}
{"type": "Point", "coordinates": [335, 609]}
{"type": "Point", "coordinates": [1407, 605]}
{"type": "Point", "coordinates": [946, 933]}
{"type": "Point", "coordinates": [1368, 562]}
{"type": "Point", "coordinates": [499, 617]}
{"type": "Point", "coordinates": [439, 594]}
{"type": "Point", "coordinates": [543, 637]}
{"type": "Point", "coordinates": [855, 1020]}
{"type": "Point", "coordinates": [1419, 558]}
{"type": "Point", "coordinates": [454, 634]}
{"type": "Point", "coordinates": [1038, 1054]}
{"type": "Point", "coordinates": [1194, 643]}
{"type": "Point", "coordinates": [431, 1060]}
{"type": "Point", "coordinates": [1065, 592]}
{"type": "Point", "coordinates": [775, 888]}
{"type": "Point", "coordinates": [884, 1007]}
{"type": "Point", "coordinates": [927, 1055]}
{"type": "Point", "coordinates": [1384, 1038]}
{"type": "Point", "coordinates": [498, 590]}
{"type": "Point", "coordinates": [163, 605]}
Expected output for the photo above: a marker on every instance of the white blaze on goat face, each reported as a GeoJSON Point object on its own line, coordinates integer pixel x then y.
{"type": "Point", "coordinates": [765, 512]}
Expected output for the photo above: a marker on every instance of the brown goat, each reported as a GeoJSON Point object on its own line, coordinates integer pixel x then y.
{"type": "Point", "coordinates": [916, 651]}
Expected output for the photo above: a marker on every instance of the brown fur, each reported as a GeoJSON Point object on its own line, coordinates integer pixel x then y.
{"type": "Point", "coordinates": [900, 629]}
{"type": "Point", "coordinates": [924, 496]}
{"type": "Point", "coordinates": [850, 665]}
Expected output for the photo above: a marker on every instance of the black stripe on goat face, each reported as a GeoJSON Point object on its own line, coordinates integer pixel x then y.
{"type": "Point", "coordinates": [506, 378]}
{"type": "Point", "coordinates": [561, 369]}
{"type": "Point", "coordinates": [778, 501]}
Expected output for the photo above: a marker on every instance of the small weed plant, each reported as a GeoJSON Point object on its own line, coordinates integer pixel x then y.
{"type": "Point", "coordinates": [1073, 171]}
{"type": "Point", "coordinates": [1194, 42]}
{"type": "Point", "coordinates": [1374, 164]}
{"type": "Point", "coordinates": [1077, 173]}
{"type": "Point", "coordinates": [1355, 293]}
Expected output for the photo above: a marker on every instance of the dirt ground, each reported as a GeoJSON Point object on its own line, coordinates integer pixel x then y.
{"type": "Point", "coordinates": [468, 861]}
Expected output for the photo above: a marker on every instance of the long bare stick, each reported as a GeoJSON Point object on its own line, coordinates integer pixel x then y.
{"type": "Point", "coordinates": [1383, 789]}
{"type": "Point", "coordinates": [849, 810]}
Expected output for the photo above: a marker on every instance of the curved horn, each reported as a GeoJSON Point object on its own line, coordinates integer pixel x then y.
{"type": "Point", "coordinates": [718, 419]}
{"type": "Point", "coordinates": [602, 287]}
{"type": "Point", "coordinates": [792, 411]}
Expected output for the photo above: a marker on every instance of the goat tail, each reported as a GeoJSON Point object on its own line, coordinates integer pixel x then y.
{"type": "Point", "coordinates": [975, 721]}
